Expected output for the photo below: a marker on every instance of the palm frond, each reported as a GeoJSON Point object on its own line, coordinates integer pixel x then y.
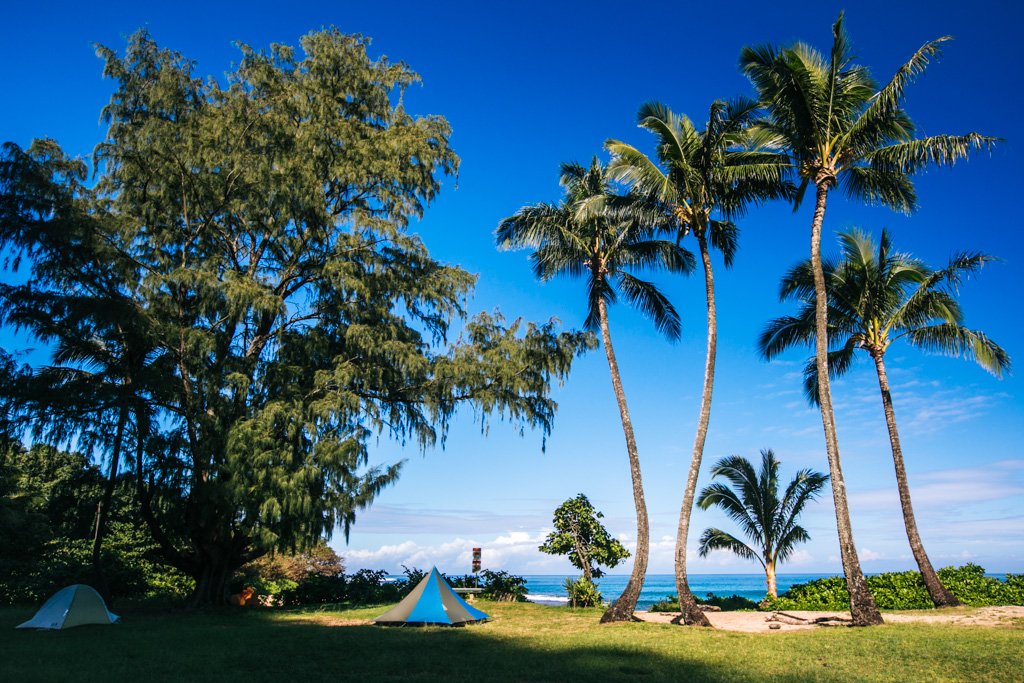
{"type": "Point", "coordinates": [716, 539]}
{"type": "Point", "coordinates": [646, 297]}
{"type": "Point", "coordinates": [839, 363]}
{"type": "Point", "coordinates": [960, 342]}
{"type": "Point", "coordinates": [938, 150]}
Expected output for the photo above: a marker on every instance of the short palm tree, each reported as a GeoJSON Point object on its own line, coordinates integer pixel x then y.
{"type": "Point", "coordinates": [703, 179]}
{"type": "Point", "coordinates": [878, 296]}
{"type": "Point", "coordinates": [596, 234]}
{"type": "Point", "coordinates": [842, 131]}
{"type": "Point", "coordinates": [753, 502]}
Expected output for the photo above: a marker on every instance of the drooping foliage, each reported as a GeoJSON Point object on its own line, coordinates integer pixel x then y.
{"type": "Point", "coordinates": [240, 287]}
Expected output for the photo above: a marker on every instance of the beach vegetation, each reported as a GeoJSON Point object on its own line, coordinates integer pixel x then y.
{"type": "Point", "coordinates": [597, 234]}
{"type": "Point", "coordinates": [583, 592]}
{"type": "Point", "coordinates": [703, 180]}
{"type": "Point", "coordinates": [582, 538]}
{"type": "Point", "coordinates": [731, 603]}
{"type": "Point", "coordinates": [768, 520]}
{"type": "Point", "coordinates": [842, 131]}
{"type": "Point", "coordinates": [904, 591]}
{"type": "Point", "coordinates": [879, 296]}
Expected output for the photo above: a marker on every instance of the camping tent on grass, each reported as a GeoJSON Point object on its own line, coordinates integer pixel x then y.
{"type": "Point", "coordinates": [431, 602]}
{"type": "Point", "coordinates": [72, 606]}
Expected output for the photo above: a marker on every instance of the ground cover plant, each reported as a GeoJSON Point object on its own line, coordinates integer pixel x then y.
{"type": "Point", "coordinates": [523, 642]}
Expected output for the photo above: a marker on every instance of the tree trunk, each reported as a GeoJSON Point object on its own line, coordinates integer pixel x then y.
{"type": "Point", "coordinates": [769, 575]}
{"type": "Point", "coordinates": [689, 610]}
{"type": "Point", "coordinates": [99, 576]}
{"type": "Point", "coordinates": [862, 605]}
{"type": "Point", "coordinates": [623, 607]}
{"type": "Point", "coordinates": [939, 594]}
{"type": "Point", "coordinates": [211, 581]}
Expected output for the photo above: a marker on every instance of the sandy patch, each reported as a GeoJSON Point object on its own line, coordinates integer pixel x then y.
{"type": "Point", "coordinates": [799, 620]}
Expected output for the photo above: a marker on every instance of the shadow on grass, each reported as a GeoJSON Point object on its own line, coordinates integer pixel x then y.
{"type": "Point", "coordinates": [254, 647]}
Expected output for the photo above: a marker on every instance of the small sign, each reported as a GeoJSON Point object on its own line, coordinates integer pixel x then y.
{"type": "Point", "coordinates": [476, 560]}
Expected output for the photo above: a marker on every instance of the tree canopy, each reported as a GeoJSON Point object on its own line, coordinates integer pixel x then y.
{"type": "Point", "coordinates": [240, 280]}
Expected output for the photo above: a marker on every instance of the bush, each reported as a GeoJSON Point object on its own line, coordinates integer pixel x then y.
{"type": "Point", "coordinates": [129, 566]}
{"type": "Point", "coordinates": [371, 586]}
{"type": "Point", "coordinates": [316, 589]}
{"type": "Point", "coordinates": [669, 604]}
{"type": "Point", "coordinates": [504, 587]}
{"type": "Point", "coordinates": [733, 603]}
{"type": "Point", "coordinates": [582, 593]}
{"type": "Point", "coordinates": [904, 590]}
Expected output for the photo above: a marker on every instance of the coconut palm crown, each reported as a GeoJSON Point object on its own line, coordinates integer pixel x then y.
{"type": "Point", "coordinates": [753, 502]}
{"type": "Point", "coordinates": [602, 236]}
{"type": "Point", "coordinates": [841, 130]}
{"type": "Point", "coordinates": [702, 179]}
{"type": "Point", "coordinates": [879, 296]}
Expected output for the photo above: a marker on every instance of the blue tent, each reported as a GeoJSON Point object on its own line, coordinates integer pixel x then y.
{"type": "Point", "coordinates": [432, 601]}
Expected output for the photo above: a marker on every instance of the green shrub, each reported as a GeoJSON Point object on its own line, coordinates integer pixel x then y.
{"type": "Point", "coordinates": [316, 589]}
{"type": "Point", "coordinates": [904, 590]}
{"type": "Point", "coordinates": [669, 604]}
{"type": "Point", "coordinates": [733, 603]}
{"type": "Point", "coordinates": [582, 593]}
{"type": "Point", "coordinates": [504, 587]}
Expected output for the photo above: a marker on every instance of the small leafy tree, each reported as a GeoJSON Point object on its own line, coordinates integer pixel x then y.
{"type": "Point", "coordinates": [580, 535]}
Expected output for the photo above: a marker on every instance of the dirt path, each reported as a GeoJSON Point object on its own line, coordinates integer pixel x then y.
{"type": "Point", "coordinates": [799, 620]}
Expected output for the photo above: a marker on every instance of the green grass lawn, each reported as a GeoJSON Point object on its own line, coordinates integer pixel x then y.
{"type": "Point", "coordinates": [524, 642]}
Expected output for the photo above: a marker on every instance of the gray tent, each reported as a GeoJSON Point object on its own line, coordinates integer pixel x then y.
{"type": "Point", "coordinates": [72, 606]}
{"type": "Point", "coordinates": [432, 602]}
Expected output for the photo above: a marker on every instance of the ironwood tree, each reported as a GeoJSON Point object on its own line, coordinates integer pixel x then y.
{"type": "Point", "coordinates": [236, 305]}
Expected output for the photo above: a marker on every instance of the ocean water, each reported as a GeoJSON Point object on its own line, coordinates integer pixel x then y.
{"type": "Point", "coordinates": [550, 589]}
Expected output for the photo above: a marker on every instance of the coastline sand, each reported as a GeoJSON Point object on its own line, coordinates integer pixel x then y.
{"type": "Point", "coordinates": [800, 620]}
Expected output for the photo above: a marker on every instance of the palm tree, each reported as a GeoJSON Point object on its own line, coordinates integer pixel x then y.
{"type": "Point", "coordinates": [596, 234]}
{"type": "Point", "coordinates": [701, 174]}
{"type": "Point", "coordinates": [841, 130]}
{"type": "Point", "coordinates": [878, 296]}
{"type": "Point", "coordinates": [753, 503]}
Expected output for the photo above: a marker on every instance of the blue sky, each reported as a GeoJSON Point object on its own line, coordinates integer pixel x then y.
{"type": "Point", "coordinates": [528, 85]}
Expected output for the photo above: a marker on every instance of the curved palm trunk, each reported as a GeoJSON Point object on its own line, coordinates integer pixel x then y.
{"type": "Point", "coordinates": [624, 606]}
{"type": "Point", "coordinates": [99, 576]}
{"type": "Point", "coordinates": [689, 610]}
{"type": "Point", "coordinates": [862, 604]}
{"type": "Point", "coordinates": [939, 594]}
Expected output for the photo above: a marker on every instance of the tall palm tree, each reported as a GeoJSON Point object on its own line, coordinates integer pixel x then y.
{"type": "Point", "coordinates": [878, 296]}
{"type": "Point", "coordinates": [841, 130]}
{"type": "Point", "coordinates": [596, 234]}
{"type": "Point", "coordinates": [770, 522]}
{"type": "Point", "coordinates": [703, 179]}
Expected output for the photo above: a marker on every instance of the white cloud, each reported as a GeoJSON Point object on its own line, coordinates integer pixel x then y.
{"type": "Point", "coordinates": [866, 555]}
